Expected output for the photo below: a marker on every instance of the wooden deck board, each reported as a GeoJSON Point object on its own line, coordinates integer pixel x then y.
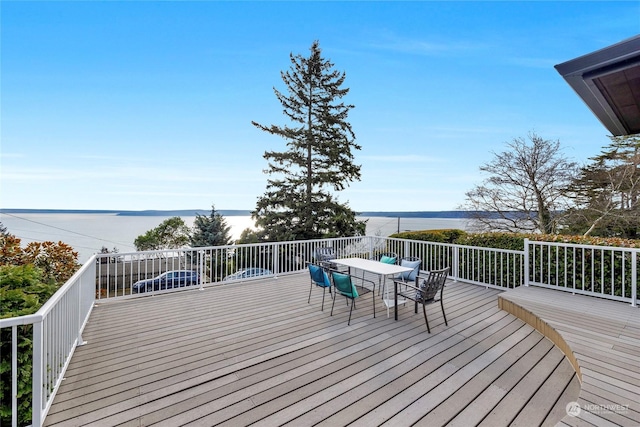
{"type": "Point", "coordinates": [536, 409]}
{"type": "Point", "coordinates": [600, 338]}
{"type": "Point", "coordinates": [465, 395]}
{"type": "Point", "coordinates": [256, 352]}
{"type": "Point", "coordinates": [508, 409]}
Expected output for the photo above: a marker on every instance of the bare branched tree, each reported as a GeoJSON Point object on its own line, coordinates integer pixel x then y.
{"type": "Point", "coordinates": [525, 189]}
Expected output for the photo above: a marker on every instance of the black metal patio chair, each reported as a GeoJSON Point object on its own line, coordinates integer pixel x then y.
{"type": "Point", "coordinates": [424, 291]}
{"type": "Point", "coordinates": [323, 256]}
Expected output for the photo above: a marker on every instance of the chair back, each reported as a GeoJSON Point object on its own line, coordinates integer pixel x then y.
{"type": "Point", "coordinates": [343, 285]}
{"type": "Point", "coordinates": [319, 276]}
{"type": "Point", "coordinates": [428, 286]}
{"type": "Point", "coordinates": [325, 253]}
{"type": "Point", "coordinates": [410, 262]}
{"type": "Point", "coordinates": [388, 257]}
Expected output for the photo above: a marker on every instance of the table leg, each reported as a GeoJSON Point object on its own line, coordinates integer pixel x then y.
{"type": "Point", "coordinates": [395, 299]}
{"type": "Point", "coordinates": [386, 294]}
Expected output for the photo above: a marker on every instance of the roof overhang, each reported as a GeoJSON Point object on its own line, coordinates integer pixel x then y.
{"type": "Point", "coordinates": [608, 81]}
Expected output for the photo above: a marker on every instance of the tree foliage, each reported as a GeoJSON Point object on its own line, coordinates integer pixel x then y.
{"type": "Point", "coordinates": [28, 278]}
{"type": "Point", "coordinates": [172, 233]}
{"type": "Point", "coordinates": [607, 192]}
{"type": "Point", "coordinates": [525, 189]}
{"type": "Point", "coordinates": [248, 236]}
{"type": "Point", "coordinates": [210, 230]}
{"type": "Point", "coordinates": [299, 202]}
{"type": "Point", "coordinates": [57, 262]}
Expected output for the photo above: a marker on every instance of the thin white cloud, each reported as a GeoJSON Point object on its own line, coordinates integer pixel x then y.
{"type": "Point", "coordinates": [12, 155]}
{"type": "Point", "coordinates": [402, 158]}
{"type": "Point", "coordinates": [542, 63]}
{"type": "Point", "coordinates": [141, 175]}
{"type": "Point", "coordinates": [102, 157]}
{"type": "Point", "coordinates": [425, 46]}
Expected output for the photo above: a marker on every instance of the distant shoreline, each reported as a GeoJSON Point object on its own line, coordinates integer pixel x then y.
{"type": "Point", "coordinates": [231, 212]}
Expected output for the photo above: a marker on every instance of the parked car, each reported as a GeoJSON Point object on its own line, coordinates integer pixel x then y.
{"type": "Point", "coordinates": [167, 280]}
{"type": "Point", "coordinates": [248, 272]}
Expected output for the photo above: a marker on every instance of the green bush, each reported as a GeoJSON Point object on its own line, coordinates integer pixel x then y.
{"type": "Point", "coordinates": [21, 293]}
{"type": "Point", "coordinates": [28, 278]}
{"type": "Point", "coordinates": [439, 236]}
{"type": "Point", "coordinates": [589, 270]}
{"type": "Point", "coordinates": [511, 241]}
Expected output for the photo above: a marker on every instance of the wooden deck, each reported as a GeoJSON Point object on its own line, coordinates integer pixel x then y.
{"type": "Point", "coordinates": [256, 352]}
{"type": "Point", "coordinates": [602, 341]}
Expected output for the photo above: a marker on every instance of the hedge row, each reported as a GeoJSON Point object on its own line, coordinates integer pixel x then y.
{"type": "Point", "coordinates": [512, 241]}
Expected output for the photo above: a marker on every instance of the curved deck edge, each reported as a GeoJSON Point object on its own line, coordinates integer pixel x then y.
{"type": "Point", "coordinates": [543, 327]}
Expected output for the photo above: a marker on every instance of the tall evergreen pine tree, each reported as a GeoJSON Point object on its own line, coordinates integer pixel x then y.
{"type": "Point", "coordinates": [210, 230]}
{"type": "Point", "coordinates": [298, 203]}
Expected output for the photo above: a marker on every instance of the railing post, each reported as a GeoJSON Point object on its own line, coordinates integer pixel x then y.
{"type": "Point", "coordinates": [276, 258]}
{"type": "Point", "coordinates": [526, 262]}
{"type": "Point", "coordinates": [456, 261]}
{"type": "Point", "coordinates": [14, 375]}
{"type": "Point", "coordinates": [80, 305]}
{"type": "Point", "coordinates": [201, 266]}
{"type": "Point", "coordinates": [36, 382]}
{"type": "Point", "coordinates": [634, 279]}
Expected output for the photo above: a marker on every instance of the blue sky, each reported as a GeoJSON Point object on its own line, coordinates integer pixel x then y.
{"type": "Point", "coordinates": [148, 105]}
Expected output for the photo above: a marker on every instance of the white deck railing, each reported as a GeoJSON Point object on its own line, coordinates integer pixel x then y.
{"type": "Point", "coordinates": [601, 271]}
{"type": "Point", "coordinates": [56, 330]}
{"type": "Point", "coordinates": [606, 272]}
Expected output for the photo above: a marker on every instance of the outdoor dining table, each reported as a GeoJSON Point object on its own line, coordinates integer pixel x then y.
{"type": "Point", "coordinates": [376, 267]}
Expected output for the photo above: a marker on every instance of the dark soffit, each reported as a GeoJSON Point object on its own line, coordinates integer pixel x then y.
{"type": "Point", "coordinates": [608, 81]}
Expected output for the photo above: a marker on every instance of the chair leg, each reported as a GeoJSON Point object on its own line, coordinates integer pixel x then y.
{"type": "Point", "coordinates": [424, 310]}
{"type": "Point", "coordinates": [353, 302]}
{"type": "Point", "coordinates": [373, 299]}
{"type": "Point", "coordinates": [332, 304]}
{"type": "Point", "coordinates": [310, 289]}
{"type": "Point", "coordinates": [323, 292]}
{"type": "Point", "coordinates": [443, 315]}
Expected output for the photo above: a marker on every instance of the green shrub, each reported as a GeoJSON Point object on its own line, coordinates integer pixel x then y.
{"type": "Point", "coordinates": [511, 241]}
{"type": "Point", "coordinates": [21, 293]}
{"type": "Point", "coordinates": [28, 278]}
{"type": "Point", "coordinates": [440, 236]}
{"type": "Point", "coordinates": [608, 273]}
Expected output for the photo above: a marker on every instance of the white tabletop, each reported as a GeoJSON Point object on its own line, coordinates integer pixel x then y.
{"type": "Point", "coordinates": [377, 267]}
{"type": "Point", "coordinates": [371, 266]}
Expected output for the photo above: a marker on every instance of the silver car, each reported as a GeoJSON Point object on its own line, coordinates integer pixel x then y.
{"type": "Point", "coordinates": [248, 272]}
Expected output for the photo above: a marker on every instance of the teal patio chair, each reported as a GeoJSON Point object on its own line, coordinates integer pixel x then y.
{"type": "Point", "coordinates": [343, 285]}
{"type": "Point", "coordinates": [386, 258]}
{"type": "Point", "coordinates": [319, 278]}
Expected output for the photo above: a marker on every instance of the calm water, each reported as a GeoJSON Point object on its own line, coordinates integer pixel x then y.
{"type": "Point", "coordinates": [88, 233]}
